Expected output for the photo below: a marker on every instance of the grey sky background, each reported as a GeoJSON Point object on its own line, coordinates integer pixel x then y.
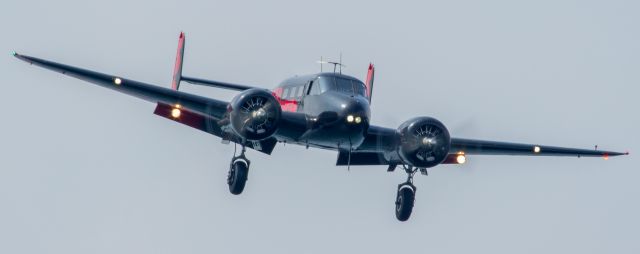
{"type": "Point", "coordinates": [86, 170]}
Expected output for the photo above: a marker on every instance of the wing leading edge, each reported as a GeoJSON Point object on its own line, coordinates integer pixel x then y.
{"type": "Point", "coordinates": [198, 104]}
{"type": "Point", "coordinates": [483, 147]}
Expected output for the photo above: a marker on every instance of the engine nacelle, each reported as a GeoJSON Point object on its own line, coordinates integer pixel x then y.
{"type": "Point", "coordinates": [255, 114]}
{"type": "Point", "coordinates": [424, 142]}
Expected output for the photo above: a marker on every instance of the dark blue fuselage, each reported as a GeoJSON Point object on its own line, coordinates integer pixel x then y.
{"type": "Point", "coordinates": [336, 109]}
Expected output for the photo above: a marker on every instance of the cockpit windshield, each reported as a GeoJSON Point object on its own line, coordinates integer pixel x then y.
{"type": "Point", "coordinates": [341, 85]}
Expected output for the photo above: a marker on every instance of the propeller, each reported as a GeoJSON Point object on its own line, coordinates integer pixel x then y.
{"type": "Point", "coordinates": [429, 139]}
{"type": "Point", "coordinates": [258, 115]}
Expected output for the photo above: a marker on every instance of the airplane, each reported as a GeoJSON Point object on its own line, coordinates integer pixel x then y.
{"type": "Point", "coordinates": [326, 110]}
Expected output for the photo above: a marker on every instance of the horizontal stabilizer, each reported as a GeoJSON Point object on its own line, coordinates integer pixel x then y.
{"type": "Point", "coordinates": [218, 84]}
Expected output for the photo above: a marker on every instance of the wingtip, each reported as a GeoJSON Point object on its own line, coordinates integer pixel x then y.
{"type": "Point", "coordinates": [617, 153]}
{"type": "Point", "coordinates": [181, 34]}
{"type": "Point", "coordinates": [13, 53]}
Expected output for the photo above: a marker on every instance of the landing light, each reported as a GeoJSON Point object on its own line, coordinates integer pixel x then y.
{"type": "Point", "coordinates": [117, 81]}
{"type": "Point", "coordinates": [461, 159]}
{"type": "Point", "coordinates": [350, 118]}
{"type": "Point", "coordinates": [176, 112]}
{"type": "Point", "coordinates": [358, 119]}
{"type": "Point", "coordinates": [536, 149]}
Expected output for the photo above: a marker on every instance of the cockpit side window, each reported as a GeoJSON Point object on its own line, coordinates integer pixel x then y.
{"type": "Point", "coordinates": [314, 88]}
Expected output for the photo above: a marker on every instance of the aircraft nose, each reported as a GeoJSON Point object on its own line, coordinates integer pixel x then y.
{"type": "Point", "coordinates": [354, 111]}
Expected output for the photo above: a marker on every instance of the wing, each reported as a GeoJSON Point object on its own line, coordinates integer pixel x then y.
{"type": "Point", "coordinates": [380, 148]}
{"type": "Point", "coordinates": [198, 104]}
{"type": "Point", "coordinates": [195, 111]}
{"type": "Point", "coordinates": [482, 147]}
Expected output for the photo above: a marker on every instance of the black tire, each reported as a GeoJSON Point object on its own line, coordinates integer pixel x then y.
{"type": "Point", "coordinates": [237, 177]}
{"type": "Point", "coordinates": [404, 203]}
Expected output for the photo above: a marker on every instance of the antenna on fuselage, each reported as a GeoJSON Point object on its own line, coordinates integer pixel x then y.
{"type": "Point", "coordinates": [340, 63]}
{"type": "Point", "coordinates": [335, 64]}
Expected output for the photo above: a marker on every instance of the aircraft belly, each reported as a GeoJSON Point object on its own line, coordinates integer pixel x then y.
{"type": "Point", "coordinates": [334, 137]}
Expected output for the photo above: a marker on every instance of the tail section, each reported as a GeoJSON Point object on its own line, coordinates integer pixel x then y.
{"type": "Point", "coordinates": [177, 70]}
{"type": "Point", "coordinates": [369, 82]}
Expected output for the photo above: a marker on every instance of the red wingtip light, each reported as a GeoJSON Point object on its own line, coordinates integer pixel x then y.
{"type": "Point", "coordinates": [605, 156]}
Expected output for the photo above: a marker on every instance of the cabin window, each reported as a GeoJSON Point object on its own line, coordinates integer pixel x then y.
{"type": "Point", "coordinates": [292, 93]}
{"type": "Point", "coordinates": [285, 94]}
{"type": "Point", "coordinates": [300, 92]}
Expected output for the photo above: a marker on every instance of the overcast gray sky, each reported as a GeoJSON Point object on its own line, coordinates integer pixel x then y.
{"type": "Point", "coordinates": [86, 170]}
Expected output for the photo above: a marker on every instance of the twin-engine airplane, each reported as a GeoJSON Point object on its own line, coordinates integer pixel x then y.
{"type": "Point", "coordinates": [323, 110]}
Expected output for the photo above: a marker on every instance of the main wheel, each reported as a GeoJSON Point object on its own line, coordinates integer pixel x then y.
{"type": "Point", "coordinates": [404, 203]}
{"type": "Point", "coordinates": [237, 177]}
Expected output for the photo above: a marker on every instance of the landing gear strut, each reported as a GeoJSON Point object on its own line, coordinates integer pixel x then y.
{"type": "Point", "coordinates": [406, 195]}
{"type": "Point", "coordinates": [238, 172]}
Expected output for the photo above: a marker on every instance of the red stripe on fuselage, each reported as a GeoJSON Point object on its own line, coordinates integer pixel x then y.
{"type": "Point", "coordinates": [286, 105]}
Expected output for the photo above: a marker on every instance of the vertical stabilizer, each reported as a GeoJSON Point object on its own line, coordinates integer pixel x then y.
{"type": "Point", "coordinates": [369, 82]}
{"type": "Point", "coordinates": [177, 69]}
